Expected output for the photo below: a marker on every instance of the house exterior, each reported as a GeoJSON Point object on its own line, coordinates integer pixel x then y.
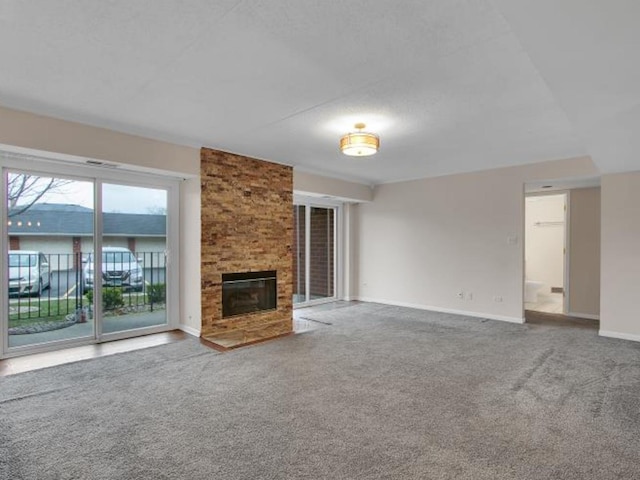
{"type": "Point", "coordinates": [65, 233]}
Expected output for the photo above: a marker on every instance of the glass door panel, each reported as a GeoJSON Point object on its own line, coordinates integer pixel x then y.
{"type": "Point", "coordinates": [49, 221]}
{"type": "Point", "coordinates": [134, 244]}
{"type": "Point", "coordinates": [321, 253]}
{"type": "Point", "coordinates": [299, 255]}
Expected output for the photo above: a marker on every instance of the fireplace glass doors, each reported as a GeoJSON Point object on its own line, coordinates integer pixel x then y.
{"type": "Point", "coordinates": [248, 292]}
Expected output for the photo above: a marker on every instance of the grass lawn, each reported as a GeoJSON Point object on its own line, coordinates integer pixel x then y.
{"type": "Point", "coordinates": [26, 311]}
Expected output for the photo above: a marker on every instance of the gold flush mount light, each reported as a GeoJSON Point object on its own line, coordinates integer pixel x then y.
{"type": "Point", "coordinates": [359, 144]}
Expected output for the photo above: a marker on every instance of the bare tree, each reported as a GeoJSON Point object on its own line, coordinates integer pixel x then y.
{"type": "Point", "coordinates": [24, 191]}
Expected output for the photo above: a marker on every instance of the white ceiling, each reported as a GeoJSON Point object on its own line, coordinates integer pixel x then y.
{"type": "Point", "coordinates": [449, 85]}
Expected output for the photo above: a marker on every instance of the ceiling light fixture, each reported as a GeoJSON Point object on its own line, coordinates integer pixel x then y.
{"type": "Point", "coordinates": [359, 144]}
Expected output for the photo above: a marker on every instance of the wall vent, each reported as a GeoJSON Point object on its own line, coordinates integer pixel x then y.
{"type": "Point", "coordinates": [98, 163]}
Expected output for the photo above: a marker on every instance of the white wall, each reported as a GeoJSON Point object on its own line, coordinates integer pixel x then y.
{"type": "Point", "coordinates": [59, 250]}
{"type": "Point", "coordinates": [30, 131]}
{"type": "Point", "coordinates": [191, 312]}
{"type": "Point", "coordinates": [421, 242]}
{"type": "Point", "coordinates": [146, 247]}
{"type": "Point", "coordinates": [151, 244]}
{"type": "Point", "coordinates": [620, 256]}
{"type": "Point", "coordinates": [544, 242]}
{"type": "Point", "coordinates": [584, 252]}
{"type": "Point", "coordinates": [151, 250]}
{"type": "Point", "coordinates": [86, 245]}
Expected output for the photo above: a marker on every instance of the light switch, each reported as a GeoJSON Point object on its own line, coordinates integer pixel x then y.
{"type": "Point", "coordinates": [512, 239]}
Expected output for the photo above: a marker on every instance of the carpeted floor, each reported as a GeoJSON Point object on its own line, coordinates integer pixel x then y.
{"type": "Point", "coordinates": [373, 392]}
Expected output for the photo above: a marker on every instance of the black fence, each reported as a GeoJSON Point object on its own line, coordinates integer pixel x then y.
{"type": "Point", "coordinates": [57, 285]}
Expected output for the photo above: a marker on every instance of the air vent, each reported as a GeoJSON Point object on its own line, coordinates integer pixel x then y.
{"type": "Point", "coordinates": [98, 163]}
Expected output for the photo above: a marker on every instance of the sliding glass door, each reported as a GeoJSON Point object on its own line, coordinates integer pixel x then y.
{"type": "Point", "coordinates": [56, 290]}
{"type": "Point", "coordinates": [299, 254]}
{"type": "Point", "coordinates": [314, 253]}
{"type": "Point", "coordinates": [49, 218]}
{"type": "Point", "coordinates": [133, 261]}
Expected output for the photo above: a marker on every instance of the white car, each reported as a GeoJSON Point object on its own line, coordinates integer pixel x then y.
{"type": "Point", "coordinates": [28, 272]}
{"type": "Point", "coordinates": [120, 268]}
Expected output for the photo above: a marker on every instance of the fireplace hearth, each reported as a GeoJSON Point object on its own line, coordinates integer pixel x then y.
{"type": "Point", "coordinates": [248, 292]}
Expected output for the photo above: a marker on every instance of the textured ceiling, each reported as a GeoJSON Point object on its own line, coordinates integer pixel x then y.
{"type": "Point", "coordinates": [449, 85]}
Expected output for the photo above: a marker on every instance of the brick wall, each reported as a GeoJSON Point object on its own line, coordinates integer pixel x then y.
{"type": "Point", "coordinates": [247, 225]}
{"type": "Point", "coordinates": [321, 252]}
{"type": "Point", "coordinates": [299, 258]}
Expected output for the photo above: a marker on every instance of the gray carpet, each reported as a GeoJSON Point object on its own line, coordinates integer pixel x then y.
{"type": "Point", "coordinates": [381, 392]}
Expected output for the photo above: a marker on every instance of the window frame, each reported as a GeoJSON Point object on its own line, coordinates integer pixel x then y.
{"type": "Point", "coordinates": [47, 165]}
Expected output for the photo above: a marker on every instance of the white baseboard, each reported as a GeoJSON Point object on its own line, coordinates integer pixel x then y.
{"type": "Point", "coordinates": [588, 316]}
{"type": "Point", "coordinates": [502, 318]}
{"type": "Point", "coordinates": [190, 330]}
{"type": "Point", "coordinates": [620, 335]}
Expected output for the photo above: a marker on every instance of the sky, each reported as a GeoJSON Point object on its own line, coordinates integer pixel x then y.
{"type": "Point", "coordinates": [115, 198]}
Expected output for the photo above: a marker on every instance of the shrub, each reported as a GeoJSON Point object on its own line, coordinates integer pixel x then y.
{"type": "Point", "coordinates": [157, 293]}
{"type": "Point", "coordinates": [111, 298]}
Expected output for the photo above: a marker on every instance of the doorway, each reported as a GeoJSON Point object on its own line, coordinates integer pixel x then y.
{"type": "Point", "coordinates": [545, 283]}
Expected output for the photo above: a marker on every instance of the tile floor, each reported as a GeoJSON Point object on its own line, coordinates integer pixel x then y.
{"type": "Point", "coordinates": [547, 302]}
{"type": "Point", "coordinates": [302, 324]}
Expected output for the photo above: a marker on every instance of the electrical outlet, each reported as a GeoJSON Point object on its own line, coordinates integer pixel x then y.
{"type": "Point", "coordinates": [469, 296]}
{"type": "Point", "coordinates": [497, 299]}
{"type": "Point", "coordinates": [461, 295]}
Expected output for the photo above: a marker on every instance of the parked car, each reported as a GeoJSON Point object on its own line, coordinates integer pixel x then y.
{"type": "Point", "coordinates": [28, 272]}
{"type": "Point", "coordinates": [120, 268]}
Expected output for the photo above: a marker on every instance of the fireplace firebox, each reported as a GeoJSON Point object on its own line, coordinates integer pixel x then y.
{"type": "Point", "coordinates": [248, 292]}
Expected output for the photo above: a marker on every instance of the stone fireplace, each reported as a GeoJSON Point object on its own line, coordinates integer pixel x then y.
{"type": "Point", "coordinates": [247, 262]}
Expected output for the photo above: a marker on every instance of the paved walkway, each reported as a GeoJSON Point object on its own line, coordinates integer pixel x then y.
{"type": "Point", "coordinates": [111, 324]}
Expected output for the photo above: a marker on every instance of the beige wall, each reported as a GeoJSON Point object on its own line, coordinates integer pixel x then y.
{"type": "Point", "coordinates": [584, 252]}
{"type": "Point", "coordinates": [309, 184]}
{"type": "Point", "coordinates": [26, 130]}
{"type": "Point", "coordinates": [21, 129]}
{"type": "Point", "coordinates": [418, 242]}
{"type": "Point", "coordinates": [422, 242]}
{"type": "Point", "coordinates": [544, 240]}
{"type": "Point", "coordinates": [620, 256]}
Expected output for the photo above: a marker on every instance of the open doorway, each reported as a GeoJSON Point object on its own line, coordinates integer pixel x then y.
{"type": "Point", "coordinates": [545, 284]}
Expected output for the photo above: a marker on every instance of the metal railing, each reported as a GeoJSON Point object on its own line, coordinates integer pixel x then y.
{"type": "Point", "coordinates": [56, 285]}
